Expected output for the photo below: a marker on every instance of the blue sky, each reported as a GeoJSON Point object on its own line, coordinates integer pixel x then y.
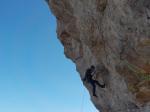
{"type": "Point", "coordinates": [35, 76]}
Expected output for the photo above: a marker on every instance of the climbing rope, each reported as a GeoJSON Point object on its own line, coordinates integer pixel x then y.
{"type": "Point", "coordinates": [82, 101]}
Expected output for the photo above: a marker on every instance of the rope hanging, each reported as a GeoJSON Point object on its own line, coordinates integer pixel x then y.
{"type": "Point", "coordinates": [82, 101]}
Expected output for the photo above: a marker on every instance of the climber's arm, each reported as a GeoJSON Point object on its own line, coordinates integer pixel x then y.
{"type": "Point", "coordinates": [93, 73]}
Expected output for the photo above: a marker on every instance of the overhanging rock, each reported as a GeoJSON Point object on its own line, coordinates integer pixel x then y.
{"type": "Point", "coordinates": [114, 36]}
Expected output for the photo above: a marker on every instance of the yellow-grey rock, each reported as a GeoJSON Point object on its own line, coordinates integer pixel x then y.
{"type": "Point", "coordinates": [113, 35]}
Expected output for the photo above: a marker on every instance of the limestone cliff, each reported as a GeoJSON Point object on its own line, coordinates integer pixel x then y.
{"type": "Point", "coordinates": [113, 35]}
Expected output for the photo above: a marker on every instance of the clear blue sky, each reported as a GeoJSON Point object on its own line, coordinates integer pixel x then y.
{"type": "Point", "coordinates": [35, 76]}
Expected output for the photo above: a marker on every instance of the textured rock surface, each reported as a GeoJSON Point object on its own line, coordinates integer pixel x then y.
{"type": "Point", "coordinates": [113, 35]}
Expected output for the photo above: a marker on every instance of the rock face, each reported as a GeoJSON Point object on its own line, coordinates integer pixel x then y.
{"type": "Point", "coordinates": [114, 36]}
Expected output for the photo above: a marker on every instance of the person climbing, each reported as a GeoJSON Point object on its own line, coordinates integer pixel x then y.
{"type": "Point", "coordinates": [90, 72]}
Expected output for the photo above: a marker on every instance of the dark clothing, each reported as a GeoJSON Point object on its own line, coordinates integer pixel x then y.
{"type": "Point", "coordinates": [94, 83]}
{"type": "Point", "coordinates": [88, 77]}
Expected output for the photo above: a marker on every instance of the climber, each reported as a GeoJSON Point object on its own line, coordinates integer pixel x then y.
{"type": "Point", "coordinates": [90, 72]}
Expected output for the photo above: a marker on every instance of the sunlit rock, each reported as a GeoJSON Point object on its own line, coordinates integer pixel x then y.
{"type": "Point", "coordinates": [113, 35]}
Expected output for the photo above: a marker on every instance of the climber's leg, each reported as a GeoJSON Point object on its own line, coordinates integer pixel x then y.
{"type": "Point", "coordinates": [100, 85]}
{"type": "Point", "coordinates": [94, 88]}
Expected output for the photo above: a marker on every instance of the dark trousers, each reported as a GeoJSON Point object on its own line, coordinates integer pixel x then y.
{"type": "Point", "coordinates": [94, 83]}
